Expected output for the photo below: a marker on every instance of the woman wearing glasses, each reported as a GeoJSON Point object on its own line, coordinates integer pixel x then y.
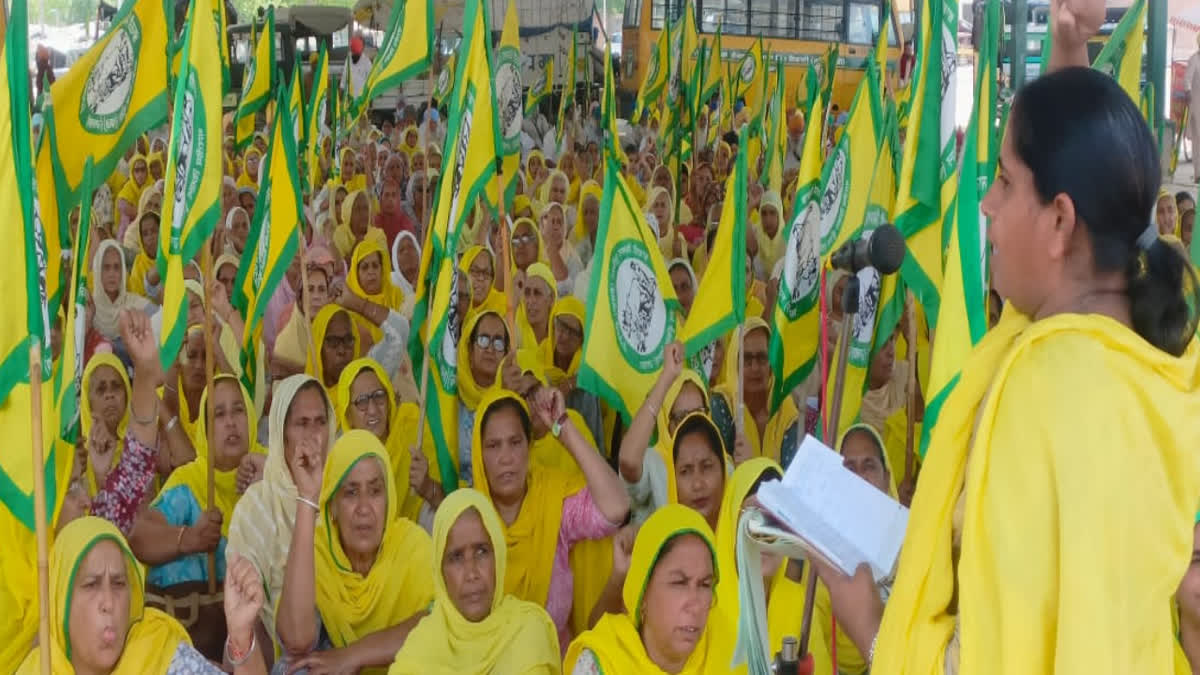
{"type": "Point", "coordinates": [368, 403]}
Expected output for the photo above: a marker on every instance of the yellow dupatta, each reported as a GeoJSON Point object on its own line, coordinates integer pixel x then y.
{"type": "Point", "coordinates": [770, 249]}
{"type": "Point", "coordinates": [131, 191]}
{"type": "Point", "coordinates": [515, 638]}
{"type": "Point", "coordinates": [533, 537]}
{"type": "Point", "coordinates": [537, 270]}
{"type": "Point", "coordinates": [143, 262]}
{"type": "Point", "coordinates": [768, 443]}
{"type": "Point", "coordinates": [495, 300]}
{"type": "Point", "coordinates": [567, 305]}
{"type": "Point", "coordinates": [244, 180]}
{"type": "Point", "coordinates": [616, 642]}
{"type": "Point", "coordinates": [194, 474]}
{"type": "Point", "coordinates": [402, 428]}
{"type": "Point", "coordinates": [667, 242]}
{"type": "Point", "coordinates": [590, 190]}
{"type": "Point", "coordinates": [353, 606]}
{"type": "Point", "coordinates": [665, 442]}
{"type": "Point", "coordinates": [537, 234]}
{"type": "Point", "coordinates": [469, 391]}
{"type": "Point", "coordinates": [85, 411]}
{"type": "Point", "coordinates": [1030, 472]}
{"type": "Point", "coordinates": [316, 366]}
{"type": "Point", "coordinates": [388, 296]}
{"type": "Point", "coordinates": [153, 636]}
{"type": "Point", "coordinates": [786, 600]}
{"type": "Point", "coordinates": [344, 238]}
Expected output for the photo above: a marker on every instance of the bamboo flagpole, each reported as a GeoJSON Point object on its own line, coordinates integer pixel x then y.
{"type": "Point", "coordinates": [39, 504]}
{"type": "Point", "coordinates": [209, 366]}
{"type": "Point", "coordinates": [423, 383]}
{"type": "Point", "coordinates": [910, 336]}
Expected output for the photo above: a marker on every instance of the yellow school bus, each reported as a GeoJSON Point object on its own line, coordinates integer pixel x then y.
{"type": "Point", "coordinates": [799, 31]}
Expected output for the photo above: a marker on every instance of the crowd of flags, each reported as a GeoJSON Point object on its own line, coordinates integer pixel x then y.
{"type": "Point", "coordinates": [924, 185]}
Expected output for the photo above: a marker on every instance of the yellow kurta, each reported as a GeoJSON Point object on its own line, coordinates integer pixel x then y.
{"type": "Point", "coordinates": [1067, 454]}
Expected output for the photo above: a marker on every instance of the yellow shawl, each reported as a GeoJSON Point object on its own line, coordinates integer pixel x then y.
{"type": "Point", "coordinates": [516, 637]}
{"type": "Point", "coordinates": [529, 339]}
{"type": "Point", "coordinates": [541, 245]}
{"type": "Point", "coordinates": [353, 606]}
{"type": "Point", "coordinates": [388, 296]}
{"type": "Point", "coordinates": [495, 300]}
{"type": "Point", "coordinates": [85, 410]}
{"type": "Point", "coordinates": [568, 305]}
{"type": "Point", "coordinates": [194, 474]}
{"type": "Point", "coordinates": [316, 367]}
{"type": "Point", "coordinates": [469, 391]}
{"type": "Point", "coordinates": [344, 238]}
{"type": "Point", "coordinates": [665, 442]}
{"type": "Point", "coordinates": [533, 537]}
{"type": "Point", "coordinates": [131, 191]}
{"type": "Point", "coordinates": [245, 180]}
{"type": "Point", "coordinates": [153, 636]}
{"type": "Point", "coordinates": [1048, 422]}
{"type": "Point", "coordinates": [590, 190]}
{"type": "Point", "coordinates": [616, 641]}
{"type": "Point", "coordinates": [145, 260]}
{"type": "Point", "coordinates": [768, 445]}
{"type": "Point", "coordinates": [261, 528]}
{"type": "Point", "coordinates": [402, 428]}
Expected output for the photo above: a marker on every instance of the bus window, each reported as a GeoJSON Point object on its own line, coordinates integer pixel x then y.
{"type": "Point", "coordinates": [773, 18]}
{"type": "Point", "coordinates": [862, 28]}
{"type": "Point", "coordinates": [732, 15]}
{"type": "Point", "coordinates": [821, 20]}
{"type": "Point", "coordinates": [659, 9]}
{"type": "Point", "coordinates": [633, 13]}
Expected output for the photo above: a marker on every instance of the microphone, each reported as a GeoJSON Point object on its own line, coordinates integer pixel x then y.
{"type": "Point", "coordinates": [884, 250]}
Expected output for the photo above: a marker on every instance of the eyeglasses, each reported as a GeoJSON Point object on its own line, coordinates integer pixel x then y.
{"type": "Point", "coordinates": [523, 240]}
{"type": "Point", "coordinates": [567, 329]}
{"type": "Point", "coordinates": [496, 343]}
{"type": "Point", "coordinates": [339, 341]}
{"type": "Point", "coordinates": [378, 397]}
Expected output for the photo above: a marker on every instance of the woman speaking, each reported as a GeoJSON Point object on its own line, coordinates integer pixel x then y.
{"type": "Point", "coordinates": [1053, 517]}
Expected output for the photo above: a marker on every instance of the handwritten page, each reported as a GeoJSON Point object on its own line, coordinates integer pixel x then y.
{"type": "Point", "coordinates": [839, 515]}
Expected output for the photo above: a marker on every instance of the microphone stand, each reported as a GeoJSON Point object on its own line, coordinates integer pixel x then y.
{"type": "Point", "coordinates": [850, 308]}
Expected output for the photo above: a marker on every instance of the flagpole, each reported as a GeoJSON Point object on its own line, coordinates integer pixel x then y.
{"type": "Point", "coordinates": [209, 364]}
{"type": "Point", "coordinates": [739, 419]}
{"type": "Point", "coordinates": [423, 383]}
{"type": "Point", "coordinates": [39, 503]}
{"type": "Point", "coordinates": [910, 336]}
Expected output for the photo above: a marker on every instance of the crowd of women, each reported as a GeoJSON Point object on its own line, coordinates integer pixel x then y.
{"type": "Point", "coordinates": [578, 542]}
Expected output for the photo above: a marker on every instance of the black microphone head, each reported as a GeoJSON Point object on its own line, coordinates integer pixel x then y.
{"type": "Point", "coordinates": [887, 249]}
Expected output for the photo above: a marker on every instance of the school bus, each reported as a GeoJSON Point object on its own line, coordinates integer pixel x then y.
{"type": "Point", "coordinates": [799, 31]}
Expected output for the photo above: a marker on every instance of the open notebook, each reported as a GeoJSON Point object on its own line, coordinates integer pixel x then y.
{"type": "Point", "coordinates": [834, 513]}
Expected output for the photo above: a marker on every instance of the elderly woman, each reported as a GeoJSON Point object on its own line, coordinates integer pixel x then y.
{"type": "Point", "coordinates": [474, 626]}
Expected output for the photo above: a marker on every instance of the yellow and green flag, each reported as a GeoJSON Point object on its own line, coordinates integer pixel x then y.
{"type": "Point", "coordinates": [720, 304]}
{"type": "Point", "coordinates": [541, 88]}
{"type": "Point", "coordinates": [317, 118]}
{"type": "Point", "coordinates": [714, 70]}
{"type": "Point", "coordinates": [274, 237]}
{"type": "Point", "coordinates": [929, 153]}
{"type": "Point", "coordinates": [634, 308]}
{"type": "Point", "coordinates": [657, 69]}
{"type": "Point", "coordinates": [567, 96]}
{"type": "Point", "coordinates": [192, 195]}
{"type": "Point", "coordinates": [776, 133]}
{"type": "Point", "coordinates": [795, 318]}
{"type": "Point", "coordinates": [1121, 57]}
{"type": "Point", "coordinates": [609, 114]}
{"type": "Point", "coordinates": [751, 84]}
{"type": "Point", "coordinates": [407, 51]}
{"type": "Point", "coordinates": [258, 82]}
{"type": "Point", "coordinates": [473, 144]}
{"type": "Point", "coordinates": [445, 80]}
{"type": "Point", "coordinates": [295, 106]}
{"type": "Point", "coordinates": [509, 108]}
{"type": "Point", "coordinates": [964, 290]}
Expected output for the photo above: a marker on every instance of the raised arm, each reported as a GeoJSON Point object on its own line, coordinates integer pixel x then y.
{"type": "Point", "coordinates": [606, 489]}
{"type": "Point", "coordinates": [296, 621]}
{"type": "Point", "coordinates": [1072, 24]}
{"type": "Point", "coordinates": [637, 439]}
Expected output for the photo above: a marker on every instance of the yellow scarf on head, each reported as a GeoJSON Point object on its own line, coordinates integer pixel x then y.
{"type": "Point", "coordinates": [85, 410]}
{"type": "Point", "coordinates": [316, 367]}
{"type": "Point", "coordinates": [495, 300]}
{"type": "Point", "coordinates": [737, 490]}
{"type": "Point", "coordinates": [768, 444]}
{"type": "Point", "coordinates": [516, 638]}
{"type": "Point", "coordinates": [875, 436]}
{"type": "Point", "coordinates": [353, 606]}
{"type": "Point", "coordinates": [1030, 467]}
{"type": "Point", "coordinates": [402, 427]}
{"type": "Point", "coordinates": [770, 249]}
{"type": "Point", "coordinates": [537, 270]}
{"type": "Point", "coordinates": [469, 391]}
{"type": "Point", "coordinates": [344, 238]}
{"type": "Point", "coordinates": [244, 180]}
{"type": "Point", "coordinates": [568, 305]}
{"type": "Point", "coordinates": [616, 642]}
{"type": "Point", "coordinates": [533, 537]}
{"type": "Point", "coordinates": [194, 474]}
{"type": "Point", "coordinates": [665, 443]}
{"type": "Point", "coordinates": [388, 296]}
{"type": "Point", "coordinates": [132, 190]}
{"type": "Point", "coordinates": [590, 190]}
{"type": "Point", "coordinates": [261, 527]}
{"type": "Point", "coordinates": [153, 636]}
{"type": "Point", "coordinates": [530, 171]}
{"type": "Point", "coordinates": [143, 262]}
{"type": "Point", "coordinates": [536, 232]}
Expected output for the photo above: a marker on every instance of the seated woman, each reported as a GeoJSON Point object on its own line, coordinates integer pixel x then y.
{"type": "Point", "coordinates": [561, 257]}
{"type": "Point", "coordinates": [367, 402]}
{"type": "Point", "coordinates": [110, 294]}
{"type": "Point", "coordinates": [544, 513]}
{"type": "Point", "coordinates": [100, 624]}
{"type": "Point", "coordinates": [143, 278]}
{"type": "Point", "coordinates": [250, 161]}
{"type": "Point", "coordinates": [262, 523]}
{"type": "Point", "coordinates": [885, 403]}
{"type": "Point", "coordinates": [784, 581]}
{"type": "Point", "coordinates": [477, 263]}
{"type": "Point", "coordinates": [684, 468]}
{"type": "Point", "coordinates": [130, 194]}
{"type": "Point", "coordinates": [561, 358]}
{"type": "Point", "coordinates": [368, 278]}
{"type": "Point", "coordinates": [334, 329]}
{"type": "Point", "coordinates": [533, 314]}
{"type": "Point", "coordinates": [587, 223]}
{"type": "Point", "coordinates": [355, 569]}
{"type": "Point", "coordinates": [173, 535]}
{"type": "Point", "coordinates": [767, 434]}
{"type": "Point", "coordinates": [406, 267]}
{"type": "Point", "coordinates": [474, 626]}
{"type": "Point", "coordinates": [295, 336]}
{"type": "Point", "coordinates": [356, 225]}
{"type": "Point", "coordinates": [669, 623]}
{"type": "Point", "coordinates": [526, 248]}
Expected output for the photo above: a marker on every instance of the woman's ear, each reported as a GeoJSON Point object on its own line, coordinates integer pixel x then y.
{"type": "Point", "coordinates": [1062, 209]}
